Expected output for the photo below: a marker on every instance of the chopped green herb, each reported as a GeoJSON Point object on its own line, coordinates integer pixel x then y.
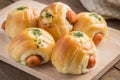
{"type": "Point", "coordinates": [35, 40]}
{"type": "Point", "coordinates": [36, 32]}
{"type": "Point", "coordinates": [37, 46]}
{"type": "Point", "coordinates": [39, 42]}
{"type": "Point", "coordinates": [99, 19]}
{"type": "Point", "coordinates": [41, 17]}
{"type": "Point", "coordinates": [78, 34]}
{"type": "Point", "coordinates": [48, 15]}
{"type": "Point", "coordinates": [21, 8]}
{"type": "Point", "coordinates": [96, 16]}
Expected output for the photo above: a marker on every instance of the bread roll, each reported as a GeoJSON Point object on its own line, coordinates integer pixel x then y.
{"type": "Point", "coordinates": [20, 19]}
{"type": "Point", "coordinates": [32, 47]}
{"type": "Point", "coordinates": [57, 19]}
{"type": "Point", "coordinates": [92, 24]}
{"type": "Point", "coordinates": [75, 53]}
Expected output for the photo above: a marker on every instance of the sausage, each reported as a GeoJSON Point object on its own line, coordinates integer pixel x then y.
{"type": "Point", "coordinates": [33, 60]}
{"type": "Point", "coordinates": [3, 25]}
{"type": "Point", "coordinates": [71, 17]}
{"type": "Point", "coordinates": [97, 38]}
{"type": "Point", "coordinates": [91, 62]}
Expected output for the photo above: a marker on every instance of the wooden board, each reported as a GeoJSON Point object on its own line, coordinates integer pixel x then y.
{"type": "Point", "coordinates": [107, 52]}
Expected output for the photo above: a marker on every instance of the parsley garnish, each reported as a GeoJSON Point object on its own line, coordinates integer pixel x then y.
{"type": "Point", "coordinates": [36, 32]}
{"type": "Point", "coordinates": [48, 15]}
{"type": "Point", "coordinates": [37, 46]}
{"type": "Point", "coordinates": [95, 16]}
{"type": "Point", "coordinates": [78, 34]}
{"type": "Point", "coordinates": [21, 8]}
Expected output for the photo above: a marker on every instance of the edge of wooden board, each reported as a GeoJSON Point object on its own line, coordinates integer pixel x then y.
{"type": "Point", "coordinates": [106, 68]}
{"type": "Point", "coordinates": [26, 69]}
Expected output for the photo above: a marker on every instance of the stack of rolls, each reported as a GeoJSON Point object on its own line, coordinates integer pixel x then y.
{"type": "Point", "coordinates": [62, 36]}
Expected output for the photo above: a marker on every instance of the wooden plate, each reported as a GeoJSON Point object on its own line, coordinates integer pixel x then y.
{"type": "Point", "coordinates": [107, 52]}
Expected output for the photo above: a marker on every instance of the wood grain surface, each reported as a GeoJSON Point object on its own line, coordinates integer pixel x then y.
{"type": "Point", "coordinates": [4, 3]}
{"type": "Point", "coordinates": [8, 72]}
{"type": "Point", "coordinates": [112, 74]}
{"type": "Point", "coordinates": [117, 66]}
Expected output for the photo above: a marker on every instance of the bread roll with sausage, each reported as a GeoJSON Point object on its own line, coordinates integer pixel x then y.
{"type": "Point", "coordinates": [92, 24]}
{"type": "Point", "coordinates": [57, 19]}
{"type": "Point", "coordinates": [31, 47]}
{"type": "Point", "coordinates": [20, 19]}
{"type": "Point", "coordinates": [75, 53]}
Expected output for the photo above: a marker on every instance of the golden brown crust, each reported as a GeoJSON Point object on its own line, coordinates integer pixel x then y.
{"type": "Point", "coordinates": [90, 23]}
{"type": "Point", "coordinates": [31, 41]}
{"type": "Point", "coordinates": [55, 22]}
{"type": "Point", "coordinates": [20, 19]}
{"type": "Point", "coordinates": [71, 53]}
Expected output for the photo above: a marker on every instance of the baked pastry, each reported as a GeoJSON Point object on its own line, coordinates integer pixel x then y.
{"type": "Point", "coordinates": [32, 47]}
{"type": "Point", "coordinates": [20, 19]}
{"type": "Point", "coordinates": [57, 19]}
{"type": "Point", "coordinates": [75, 53]}
{"type": "Point", "coordinates": [92, 24]}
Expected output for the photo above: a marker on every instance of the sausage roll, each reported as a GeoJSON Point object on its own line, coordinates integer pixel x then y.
{"type": "Point", "coordinates": [57, 19]}
{"type": "Point", "coordinates": [75, 53]}
{"type": "Point", "coordinates": [32, 47]}
{"type": "Point", "coordinates": [92, 24]}
{"type": "Point", "coordinates": [20, 19]}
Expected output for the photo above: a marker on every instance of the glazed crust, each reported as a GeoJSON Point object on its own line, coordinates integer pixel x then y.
{"type": "Point", "coordinates": [90, 24]}
{"type": "Point", "coordinates": [58, 25]}
{"type": "Point", "coordinates": [26, 44]}
{"type": "Point", "coordinates": [18, 20]}
{"type": "Point", "coordinates": [71, 54]}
